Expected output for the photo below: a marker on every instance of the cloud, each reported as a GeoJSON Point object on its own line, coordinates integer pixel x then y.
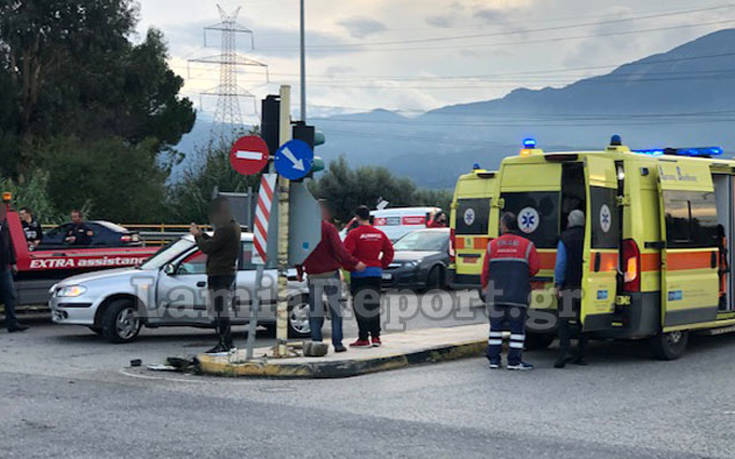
{"type": "Point", "coordinates": [361, 27]}
{"type": "Point", "coordinates": [441, 21]}
{"type": "Point", "coordinates": [490, 15]}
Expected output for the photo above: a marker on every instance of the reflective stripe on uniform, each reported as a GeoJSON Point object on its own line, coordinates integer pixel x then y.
{"type": "Point", "coordinates": [517, 337]}
{"type": "Point", "coordinates": [516, 345]}
{"type": "Point", "coordinates": [495, 342]}
{"type": "Point", "coordinates": [520, 260]}
{"type": "Point", "coordinates": [496, 334]}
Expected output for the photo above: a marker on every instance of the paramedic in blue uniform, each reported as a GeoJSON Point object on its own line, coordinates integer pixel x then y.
{"type": "Point", "coordinates": [510, 263]}
{"type": "Point", "coordinates": [568, 281]}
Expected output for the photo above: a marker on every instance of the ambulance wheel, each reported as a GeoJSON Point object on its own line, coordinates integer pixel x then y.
{"type": "Point", "coordinates": [669, 346]}
{"type": "Point", "coordinates": [121, 322]}
{"type": "Point", "coordinates": [538, 341]}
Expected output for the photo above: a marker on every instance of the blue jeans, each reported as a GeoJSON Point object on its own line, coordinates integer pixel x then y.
{"type": "Point", "coordinates": [318, 288]}
{"type": "Point", "coordinates": [8, 297]}
{"type": "Point", "coordinates": [502, 318]}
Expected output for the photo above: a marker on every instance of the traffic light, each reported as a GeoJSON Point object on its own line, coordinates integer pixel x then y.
{"type": "Point", "coordinates": [313, 138]}
{"type": "Point", "coordinates": [271, 107]}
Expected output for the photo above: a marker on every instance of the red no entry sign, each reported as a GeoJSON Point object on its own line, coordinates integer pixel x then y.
{"type": "Point", "coordinates": [249, 155]}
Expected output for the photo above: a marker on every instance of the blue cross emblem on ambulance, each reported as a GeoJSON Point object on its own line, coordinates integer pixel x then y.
{"type": "Point", "coordinates": [528, 220]}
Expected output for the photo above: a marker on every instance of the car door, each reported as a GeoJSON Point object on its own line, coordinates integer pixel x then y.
{"type": "Point", "coordinates": [246, 288]}
{"type": "Point", "coordinates": [182, 292]}
{"type": "Point", "coordinates": [688, 213]}
{"type": "Point", "coordinates": [601, 244]}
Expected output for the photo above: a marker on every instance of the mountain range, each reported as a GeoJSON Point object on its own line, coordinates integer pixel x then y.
{"type": "Point", "coordinates": [683, 97]}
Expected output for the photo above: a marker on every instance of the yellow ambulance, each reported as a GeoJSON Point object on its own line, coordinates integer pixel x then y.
{"type": "Point", "coordinates": [471, 227]}
{"type": "Point", "coordinates": [659, 223]}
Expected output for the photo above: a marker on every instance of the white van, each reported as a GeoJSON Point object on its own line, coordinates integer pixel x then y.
{"type": "Point", "coordinates": [398, 221]}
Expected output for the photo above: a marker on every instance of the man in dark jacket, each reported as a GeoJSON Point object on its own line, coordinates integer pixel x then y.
{"type": "Point", "coordinates": [222, 250]}
{"type": "Point", "coordinates": [568, 282]}
{"type": "Point", "coordinates": [8, 296]}
{"type": "Point", "coordinates": [322, 267]}
{"type": "Point", "coordinates": [31, 227]}
{"type": "Point", "coordinates": [79, 233]}
{"type": "Point", "coordinates": [510, 262]}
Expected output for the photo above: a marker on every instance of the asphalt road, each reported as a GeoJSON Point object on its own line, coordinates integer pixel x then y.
{"type": "Point", "coordinates": [67, 393]}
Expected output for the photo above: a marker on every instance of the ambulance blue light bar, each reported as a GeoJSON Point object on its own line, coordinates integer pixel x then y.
{"type": "Point", "coordinates": [529, 143]}
{"type": "Point", "coordinates": [693, 152]}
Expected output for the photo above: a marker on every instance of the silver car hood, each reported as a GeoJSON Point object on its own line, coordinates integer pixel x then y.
{"type": "Point", "coordinates": [99, 275]}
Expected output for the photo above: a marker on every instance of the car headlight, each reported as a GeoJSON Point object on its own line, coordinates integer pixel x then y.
{"type": "Point", "coordinates": [71, 291]}
{"type": "Point", "coordinates": [410, 264]}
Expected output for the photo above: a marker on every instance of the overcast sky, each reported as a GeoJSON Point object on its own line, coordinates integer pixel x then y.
{"type": "Point", "coordinates": [415, 55]}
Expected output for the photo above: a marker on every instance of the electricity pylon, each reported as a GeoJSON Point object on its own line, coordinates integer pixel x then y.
{"type": "Point", "coordinates": [227, 116]}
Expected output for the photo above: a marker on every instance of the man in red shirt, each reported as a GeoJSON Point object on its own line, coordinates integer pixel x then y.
{"type": "Point", "coordinates": [322, 267]}
{"type": "Point", "coordinates": [510, 262]}
{"type": "Point", "coordinates": [372, 247]}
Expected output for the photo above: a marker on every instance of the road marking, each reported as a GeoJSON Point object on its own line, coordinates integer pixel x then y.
{"type": "Point", "coordinates": [159, 378]}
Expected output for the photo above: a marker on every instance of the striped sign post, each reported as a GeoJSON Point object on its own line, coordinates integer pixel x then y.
{"type": "Point", "coordinates": [262, 217]}
{"type": "Point", "coordinates": [260, 243]}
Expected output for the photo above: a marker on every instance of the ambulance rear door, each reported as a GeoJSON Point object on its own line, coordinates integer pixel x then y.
{"type": "Point", "coordinates": [532, 191]}
{"type": "Point", "coordinates": [601, 244]}
{"type": "Point", "coordinates": [688, 218]}
{"type": "Point", "coordinates": [472, 224]}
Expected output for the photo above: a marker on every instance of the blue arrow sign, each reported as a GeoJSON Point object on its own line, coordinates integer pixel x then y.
{"type": "Point", "coordinates": [294, 159]}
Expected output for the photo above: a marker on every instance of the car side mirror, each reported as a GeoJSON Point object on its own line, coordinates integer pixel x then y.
{"type": "Point", "coordinates": [169, 269]}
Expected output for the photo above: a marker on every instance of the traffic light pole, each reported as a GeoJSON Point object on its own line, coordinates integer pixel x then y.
{"type": "Point", "coordinates": [281, 349]}
{"type": "Point", "coordinates": [303, 62]}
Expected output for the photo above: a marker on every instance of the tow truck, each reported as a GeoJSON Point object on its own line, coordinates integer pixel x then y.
{"type": "Point", "coordinates": [38, 270]}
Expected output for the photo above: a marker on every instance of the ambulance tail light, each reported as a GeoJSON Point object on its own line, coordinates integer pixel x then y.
{"type": "Point", "coordinates": [631, 266]}
{"type": "Point", "coordinates": [452, 246]}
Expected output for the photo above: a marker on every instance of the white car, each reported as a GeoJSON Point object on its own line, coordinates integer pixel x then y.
{"type": "Point", "coordinates": [396, 222]}
{"type": "Point", "coordinates": [169, 289]}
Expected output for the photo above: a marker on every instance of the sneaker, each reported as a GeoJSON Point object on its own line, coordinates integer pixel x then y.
{"type": "Point", "coordinates": [340, 348]}
{"type": "Point", "coordinates": [17, 328]}
{"type": "Point", "coordinates": [495, 366]}
{"type": "Point", "coordinates": [523, 366]}
{"type": "Point", "coordinates": [376, 341]}
{"type": "Point", "coordinates": [360, 343]}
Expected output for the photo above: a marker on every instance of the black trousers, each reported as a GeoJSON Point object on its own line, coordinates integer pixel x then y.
{"type": "Point", "coordinates": [366, 303]}
{"type": "Point", "coordinates": [221, 291]}
{"type": "Point", "coordinates": [570, 305]}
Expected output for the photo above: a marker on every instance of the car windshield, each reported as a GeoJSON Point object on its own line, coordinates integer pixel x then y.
{"type": "Point", "coordinates": [424, 241]}
{"type": "Point", "coordinates": [167, 253]}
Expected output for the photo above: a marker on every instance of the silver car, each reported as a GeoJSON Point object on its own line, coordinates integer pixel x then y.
{"type": "Point", "coordinates": [169, 289]}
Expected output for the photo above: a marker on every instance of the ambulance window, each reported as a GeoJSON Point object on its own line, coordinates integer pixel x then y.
{"type": "Point", "coordinates": [605, 218]}
{"type": "Point", "coordinates": [538, 216]}
{"type": "Point", "coordinates": [691, 219]}
{"type": "Point", "coordinates": [472, 216]}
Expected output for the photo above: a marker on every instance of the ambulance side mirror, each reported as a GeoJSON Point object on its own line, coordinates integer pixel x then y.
{"type": "Point", "coordinates": [169, 269]}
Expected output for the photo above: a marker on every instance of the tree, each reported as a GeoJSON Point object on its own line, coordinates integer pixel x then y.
{"type": "Point", "coordinates": [346, 189]}
{"type": "Point", "coordinates": [70, 68]}
{"type": "Point", "coordinates": [189, 198]}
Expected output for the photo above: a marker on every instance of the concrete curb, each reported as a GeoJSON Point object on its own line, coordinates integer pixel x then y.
{"type": "Point", "coordinates": [271, 368]}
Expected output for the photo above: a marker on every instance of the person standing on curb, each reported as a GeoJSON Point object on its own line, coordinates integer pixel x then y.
{"type": "Point", "coordinates": [373, 248]}
{"type": "Point", "coordinates": [8, 295]}
{"type": "Point", "coordinates": [510, 262]}
{"type": "Point", "coordinates": [222, 250]}
{"type": "Point", "coordinates": [322, 267]}
{"type": "Point", "coordinates": [568, 282]}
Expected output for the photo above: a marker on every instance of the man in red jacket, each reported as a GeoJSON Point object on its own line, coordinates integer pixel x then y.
{"type": "Point", "coordinates": [372, 247]}
{"type": "Point", "coordinates": [322, 267]}
{"type": "Point", "coordinates": [510, 262]}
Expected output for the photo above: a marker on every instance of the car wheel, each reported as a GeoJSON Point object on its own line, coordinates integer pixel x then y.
{"type": "Point", "coordinates": [538, 341]}
{"type": "Point", "coordinates": [96, 330]}
{"type": "Point", "coordinates": [120, 322]}
{"type": "Point", "coordinates": [298, 317]}
{"type": "Point", "coordinates": [435, 278]}
{"type": "Point", "coordinates": [669, 346]}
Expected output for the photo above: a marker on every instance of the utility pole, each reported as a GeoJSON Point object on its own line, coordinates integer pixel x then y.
{"type": "Point", "coordinates": [281, 349]}
{"type": "Point", "coordinates": [303, 63]}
